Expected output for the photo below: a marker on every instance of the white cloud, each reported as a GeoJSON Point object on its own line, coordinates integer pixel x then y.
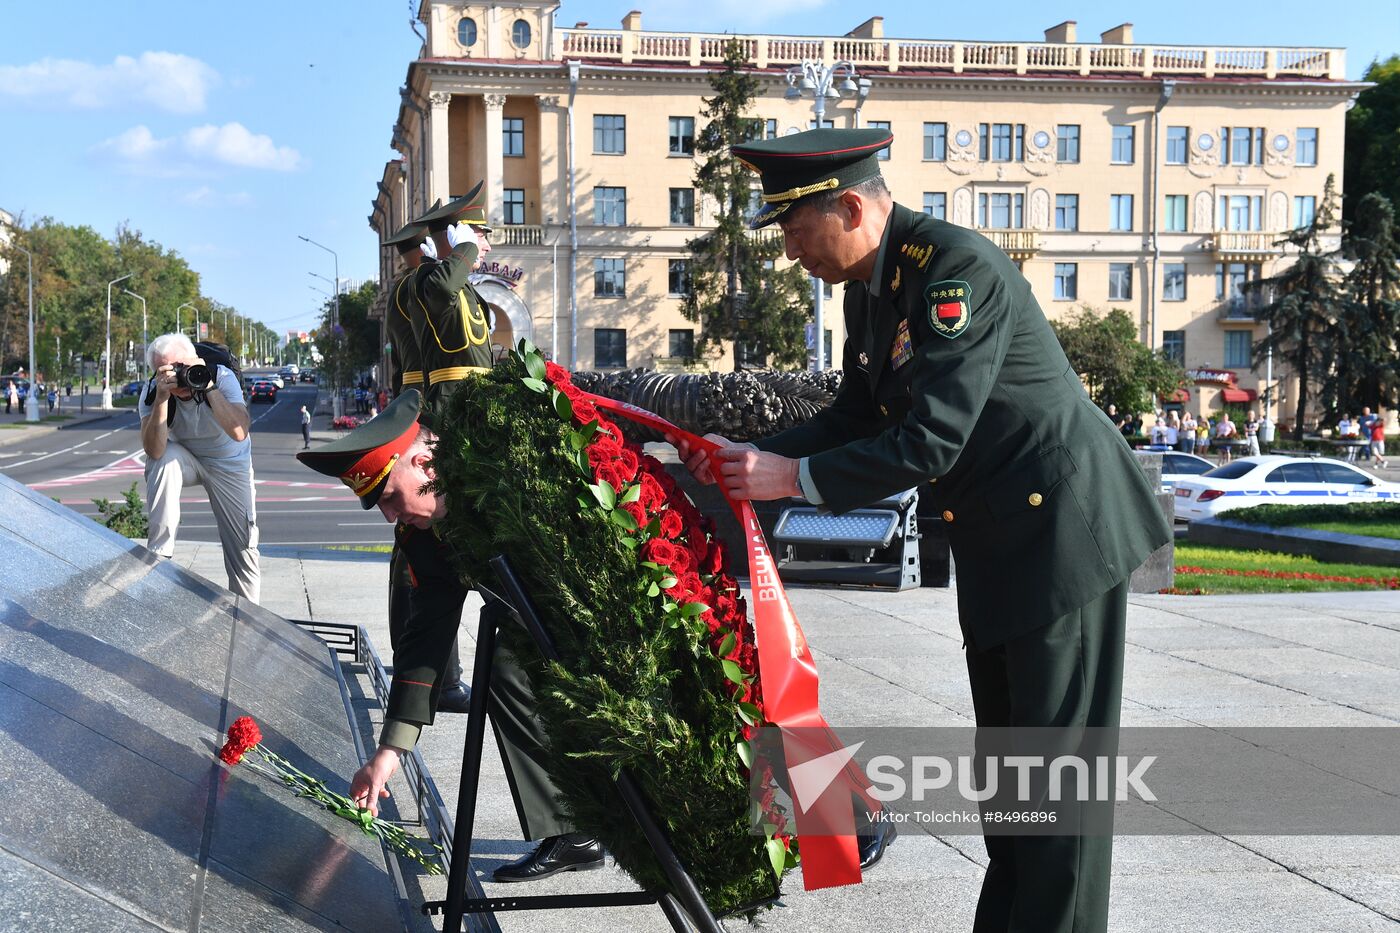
{"type": "Point", "coordinates": [170, 81]}
{"type": "Point", "coordinates": [232, 144]}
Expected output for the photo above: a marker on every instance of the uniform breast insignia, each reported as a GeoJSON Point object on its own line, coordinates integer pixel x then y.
{"type": "Point", "coordinates": [864, 360]}
{"type": "Point", "coordinates": [894, 282]}
{"type": "Point", "coordinates": [902, 350]}
{"type": "Point", "coordinates": [921, 253]}
{"type": "Point", "coordinates": [949, 306]}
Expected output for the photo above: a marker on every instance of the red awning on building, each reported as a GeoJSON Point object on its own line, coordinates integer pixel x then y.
{"type": "Point", "coordinates": [1237, 396]}
{"type": "Point", "coordinates": [1180, 395]}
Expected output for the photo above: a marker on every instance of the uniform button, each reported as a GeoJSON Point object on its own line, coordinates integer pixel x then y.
{"type": "Point", "coordinates": [1035, 498]}
{"type": "Point", "coordinates": [884, 410]}
{"type": "Point", "coordinates": [947, 515]}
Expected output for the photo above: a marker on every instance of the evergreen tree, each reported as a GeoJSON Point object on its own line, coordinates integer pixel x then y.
{"type": "Point", "coordinates": [1372, 156]}
{"type": "Point", "coordinates": [735, 292]}
{"type": "Point", "coordinates": [1303, 306]}
{"type": "Point", "coordinates": [1368, 361]}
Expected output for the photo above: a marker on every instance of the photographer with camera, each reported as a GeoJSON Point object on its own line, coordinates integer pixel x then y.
{"type": "Point", "coordinates": [195, 430]}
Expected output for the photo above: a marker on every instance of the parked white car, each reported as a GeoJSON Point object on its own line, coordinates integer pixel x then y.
{"type": "Point", "coordinates": [1177, 466]}
{"type": "Point", "coordinates": [1279, 480]}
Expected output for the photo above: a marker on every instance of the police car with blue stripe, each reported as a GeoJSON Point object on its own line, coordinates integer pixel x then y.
{"type": "Point", "coordinates": [1280, 480]}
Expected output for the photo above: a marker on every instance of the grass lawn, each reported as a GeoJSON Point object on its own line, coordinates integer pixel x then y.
{"type": "Point", "coordinates": [371, 548]}
{"type": "Point", "coordinates": [1207, 563]}
{"type": "Point", "coordinates": [1376, 519]}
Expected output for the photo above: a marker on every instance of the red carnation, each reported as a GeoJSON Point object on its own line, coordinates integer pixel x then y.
{"type": "Point", "coordinates": [242, 736]}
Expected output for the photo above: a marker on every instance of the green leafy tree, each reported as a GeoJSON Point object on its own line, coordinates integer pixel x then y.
{"type": "Point", "coordinates": [352, 345]}
{"type": "Point", "coordinates": [1117, 368]}
{"type": "Point", "coordinates": [1301, 305]}
{"type": "Point", "coordinates": [736, 292]}
{"type": "Point", "coordinates": [1372, 157]}
{"type": "Point", "coordinates": [1368, 356]}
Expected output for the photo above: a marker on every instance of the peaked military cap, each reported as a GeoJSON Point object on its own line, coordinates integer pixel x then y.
{"type": "Point", "coordinates": [408, 238]}
{"type": "Point", "coordinates": [815, 162]}
{"type": "Point", "coordinates": [465, 209]}
{"type": "Point", "coordinates": [363, 458]}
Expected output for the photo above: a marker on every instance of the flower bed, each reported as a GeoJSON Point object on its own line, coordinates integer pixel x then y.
{"type": "Point", "coordinates": [660, 671]}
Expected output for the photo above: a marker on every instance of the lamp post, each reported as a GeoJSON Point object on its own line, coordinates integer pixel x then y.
{"type": "Point", "coordinates": [107, 359]}
{"type": "Point", "coordinates": [177, 313]}
{"type": "Point", "coordinates": [31, 400]}
{"type": "Point", "coordinates": [335, 317]}
{"type": "Point", "coordinates": [819, 80]}
{"type": "Point", "coordinates": [145, 338]}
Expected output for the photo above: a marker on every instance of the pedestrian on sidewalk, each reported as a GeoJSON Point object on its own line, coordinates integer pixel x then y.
{"type": "Point", "coordinates": [305, 429]}
{"type": "Point", "coordinates": [1378, 443]}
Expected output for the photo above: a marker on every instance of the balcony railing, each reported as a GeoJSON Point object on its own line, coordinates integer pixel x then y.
{"type": "Point", "coordinates": [697, 49]}
{"type": "Point", "coordinates": [1018, 244]}
{"type": "Point", "coordinates": [518, 235]}
{"type": "Point", "coordinates": [1239, 308]}
{"type": "Point", "coordinates": [1246, 244]}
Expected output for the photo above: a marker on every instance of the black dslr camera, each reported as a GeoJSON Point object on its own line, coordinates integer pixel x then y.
{"type": "Point", "coordinates": [194, 376]}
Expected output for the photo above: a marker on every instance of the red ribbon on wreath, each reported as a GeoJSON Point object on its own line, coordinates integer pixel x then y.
{"type": "Point", "coordinates": [788, 677]}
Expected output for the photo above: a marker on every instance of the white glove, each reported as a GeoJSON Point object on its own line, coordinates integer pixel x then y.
{"type": "Point", "coordinates": [458, 234]}
{"type": "Point", "coordinates": [428, 248]}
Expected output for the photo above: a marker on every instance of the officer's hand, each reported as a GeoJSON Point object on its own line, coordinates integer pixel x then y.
{"type": "Point", "coordinates": [696, 459]}
{"type": "Point", "coordinates": [429, 248]}
{"type": "Point", "coordinates": [367, 786]}
{"type": "Point", "coordinates": [745, 472]}
{"type": "Point", "coordinates": [457, 234]}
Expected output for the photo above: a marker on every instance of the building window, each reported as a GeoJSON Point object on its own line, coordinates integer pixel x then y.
{"type": "Point", "coordinates": [1120, 281]}
{"type": "Point", "coordinates": [682, 207]}
{"type": "Point", "coordinates": [1123, 138]}
{"type": "Point", "coordinates": [884, 154]}
{"type": "Point", "coordinates": [1305, 153]}
{"type": "Point", "coordinates": [1174, 281]}
{"type": "Point", "coordinates": [466, 32]}
{"type": "Point", "coordinates": [1174, 346]}
{"type": "Point", "coordinates": [825, 125]}
{"type": "Point", "coordinates": [610, 207]}
{"type": "Point", "coordinates": [610, 347]}
{"type": "Point", "coordinates": [935, 142]}
{"type": "Point", "coordinates": [1237, 346]}
{"type": "Point", "coordinates": [1000, 210]}
{"type": "Point", "coordinates": [770, 129]}
{"type": "Point", "coordinates": [1242, 145]}
{"type": "Point", "coordinates": [513, 133]}
{"type": "Point", "coordinates": [609, 133]}
{"type": "Point", "coordinates": [1230, 279]}
{"type": "Point", "coordinates": [1067, 143]}
{"type": "Point", "coordinates": [1066, 212]}
{"type": "Point", "coordinates": [682, 136]}
{"type": "Point", "coordinates": [1304, 209]}
{"type": "Point", "coordinates": [513, 205]}
{"type": "Point", "coordinates": [1176, 144]}
{"type": "Point", "coordinates": [520, 34]}
{"type": "Point", "coordinates": [1174, 214]}
{"type": "Point", "coordinates": [1001, 142]}
{"type": "Point", "coordinates": [678, 281]}
{"type": "Point", "coordinates": [1066, 281]}
{"type": "Point", "coordinates": [609, 278]}
{"type": "Point", "coordinates": [1120, 212]}
{"type": "Point", "coordinates": [1242, 211]}
{"type": "Point", "coordinates": [680, 344]}
{"type": "Point", "coordinates": [936, 204]}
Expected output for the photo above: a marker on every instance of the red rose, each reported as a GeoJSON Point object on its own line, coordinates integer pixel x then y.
{"type": "Point", "coordinates": [604, 445]}
{"type": "Point", "coordinates": [607, 427]}
{"type": "Point", "coordinates": [671, 524]}
{"type": "Point", "coordinates": [611, 474]}
{"type": "Point", "coordinates": [712, 561]}
{"type": "Point", "coordinates": [638, 514]}
{"type": "Point", "coordinates": [555, 373]}
{"type": "Point", "coordinates": [684, 560]}
{"type": "Point", "coordinates": [584, 410]}
{"type": "Point", "coordinates": [572, 392]}
{"type": "Point", "coordinates": [660, 551]}
{"type": "Point", "coordinates": [652, 495]}
{"type": "Point", "coordinates": [627, 462]}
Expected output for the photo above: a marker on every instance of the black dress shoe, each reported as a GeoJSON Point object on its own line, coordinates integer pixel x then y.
{"type": "Point", "coordinates": [573, 852]}
{"type": "Point", "coordinates": [872, 844]}
{"type": "Point", "coordinates": [455, 698]}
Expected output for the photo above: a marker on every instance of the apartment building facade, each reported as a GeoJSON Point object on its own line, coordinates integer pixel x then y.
{"type": "Point", "coordinates": [1117, 174]}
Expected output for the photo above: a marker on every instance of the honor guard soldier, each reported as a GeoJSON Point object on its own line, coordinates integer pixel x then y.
{"type": "Point", "coordinates": [408, 374]}
{"type": "Point", "coordinates": [450, 319]}
{"type": "Point", "coordinates": [386, 462]}
{"type": "Point", "coordinates": [955, 382]}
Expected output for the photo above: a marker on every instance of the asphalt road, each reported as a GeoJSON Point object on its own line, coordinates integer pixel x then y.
{"type": "Point", "coordinates": [296, 506]}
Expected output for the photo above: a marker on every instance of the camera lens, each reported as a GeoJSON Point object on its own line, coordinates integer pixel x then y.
{"type": "Point", "coordinates": [197, 376]}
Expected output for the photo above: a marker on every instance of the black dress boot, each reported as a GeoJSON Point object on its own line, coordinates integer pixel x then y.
{"type": "Point", "coordinates": [572, 852]}
{"type": "Point", "coordinates": [455, 698]}
{"type": "Point", "coordinates": [873, 840]}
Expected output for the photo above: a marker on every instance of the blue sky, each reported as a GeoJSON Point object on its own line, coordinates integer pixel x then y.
{"type": "Point", "coordinates": [225, 130]}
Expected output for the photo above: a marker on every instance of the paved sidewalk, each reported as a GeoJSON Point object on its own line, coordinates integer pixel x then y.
{"type": "Point", "coordinates": [1302, 659]}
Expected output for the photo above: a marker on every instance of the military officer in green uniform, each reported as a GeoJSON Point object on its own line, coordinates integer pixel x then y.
{"type": "Point", "coordinates": [386, 462]}
{"type": "Point", "coordinates": [407, 363]}
{"type": "Point", "coordinates": [955, 382]}
{"type": "Point", "coordinates": [449, 318]}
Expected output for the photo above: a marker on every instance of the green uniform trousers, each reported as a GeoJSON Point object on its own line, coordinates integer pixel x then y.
{"type": "Point", "coordinates": [1065, 674]}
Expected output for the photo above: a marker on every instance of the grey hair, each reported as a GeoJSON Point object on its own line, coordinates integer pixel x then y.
{"type": "Point", "coordinates": [826, 202]}
{"type": "Point", "coordinates": [168, 344]}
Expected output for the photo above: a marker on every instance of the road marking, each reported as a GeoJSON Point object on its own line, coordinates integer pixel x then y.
{"type": "Point", "coordinates": [378, 524]}
{"type": "Point", "coordinates": [67, 449]}
{"type": "Point", "coordinates": [129, 465]}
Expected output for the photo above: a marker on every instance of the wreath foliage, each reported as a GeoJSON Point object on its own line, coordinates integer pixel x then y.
{"type": "Point", "coordinates": [659, 669]}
